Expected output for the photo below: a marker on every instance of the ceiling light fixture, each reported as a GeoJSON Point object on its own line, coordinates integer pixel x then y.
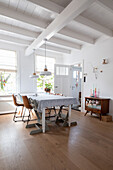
{"type": "Point", "coordinates": [34, 75]}
{"type": "Point", "coordinates": [45, 72]}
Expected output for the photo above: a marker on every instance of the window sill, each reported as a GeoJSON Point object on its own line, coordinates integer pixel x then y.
{"type": "Point", "coordinates": [6, 98]}
{"type": "Point", "coordinates": [5, 95]}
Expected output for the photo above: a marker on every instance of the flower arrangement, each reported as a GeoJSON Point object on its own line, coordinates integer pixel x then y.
{"type": "Point", "coordinates": [3, 80]}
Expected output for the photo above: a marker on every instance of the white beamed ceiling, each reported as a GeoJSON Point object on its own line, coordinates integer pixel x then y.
{"type": "Point", "coordinates": [23, 21]}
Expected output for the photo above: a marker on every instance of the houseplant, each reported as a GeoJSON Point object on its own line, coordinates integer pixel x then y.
{"type": "Point", "coordinates": [45, 83]}
{"type": "Point", "coordinates": [48, 87]}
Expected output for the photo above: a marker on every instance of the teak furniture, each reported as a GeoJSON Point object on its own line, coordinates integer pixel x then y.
{"type": "Point", "coordinates": [97, 105]}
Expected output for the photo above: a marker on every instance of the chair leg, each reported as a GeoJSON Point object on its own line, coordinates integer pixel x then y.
{"type": "Point", "coordinates": [29, 117]}
{"type": "Point", "coordinates": [22, 110]}
{"type": "Point", "coordinates": [23, 115]}
{"type": "Point", "coordinates": [15, 115]}
{"type": "Point", "coordinates": [30, 111]}
{"type": "Point", "coordinates": [54, 110]}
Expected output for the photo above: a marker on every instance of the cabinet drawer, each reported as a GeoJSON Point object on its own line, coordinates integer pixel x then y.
{"type": "Point", "coordinates": [92, 110]}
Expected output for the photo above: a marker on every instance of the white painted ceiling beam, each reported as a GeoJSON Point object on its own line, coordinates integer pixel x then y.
{"type": "Point", "coordinates": [17, 15]}
{"type": "Point", "coordinates": [56, 49]}
{"type": "Point", "coordinates": [107, 4]}
{"type": "Point", "coordinates": [72, 34]}
{"type": "Point", "coordinates": [18, 30]}
{"type": "Point", "coordinates": [94, 26]}
{"type": "Point", "coordinates": [48, 5]}
{"type": "Point", "coordinates": [69, 13]}
{"type": "Point", "coordinates": [10, 13]}
{"type": "Point", "coordinates": [53, 7]}
{"type": "Point", "coordinates": [64, 32]}
{"type": "Point", "coordinates": [13, 40]}
{"type": "Point", "coordinates": [66, 43]}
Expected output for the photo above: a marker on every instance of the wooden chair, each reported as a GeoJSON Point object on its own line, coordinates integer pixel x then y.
{"type": "Point", "coordinates": [60, 116]}
{"type": "Point", "coordinates": [28, 106]}
{"type": "Point", "coordinates": [17, 105]}
{"type": "Point", "coordinates": [37, 125]}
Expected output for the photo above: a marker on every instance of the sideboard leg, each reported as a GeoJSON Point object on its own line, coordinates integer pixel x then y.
{"type": "Point", "coordinates": [100, 116]}
{"type": "Point", "coordinates": [86, 113]}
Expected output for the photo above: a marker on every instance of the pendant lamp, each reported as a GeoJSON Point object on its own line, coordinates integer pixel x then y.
{"type": "Point", "coordinates": [45, 72]}
{"type": "Point", "coordinates": [34, 75]}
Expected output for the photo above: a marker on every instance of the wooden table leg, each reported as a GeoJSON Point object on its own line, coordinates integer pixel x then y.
{"type": "Point", "coordinates": [100, 116]}
{"type": "Point", "coordinates": [69, 115]}
{"type": "Point", "coordinates": [43, 120]}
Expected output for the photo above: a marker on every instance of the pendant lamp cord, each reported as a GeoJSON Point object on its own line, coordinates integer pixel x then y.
{"type": "Point", "coordinates": [45, 52]}
{"type": "Point", "coordinates": [34, 60]}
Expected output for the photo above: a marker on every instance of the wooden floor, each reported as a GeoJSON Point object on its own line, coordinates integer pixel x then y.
{"type": "Point", "coordinates": [87, 146]}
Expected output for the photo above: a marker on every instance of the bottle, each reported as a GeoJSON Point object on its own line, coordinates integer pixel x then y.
{"type": "Point", "coordinates": [95, 93]}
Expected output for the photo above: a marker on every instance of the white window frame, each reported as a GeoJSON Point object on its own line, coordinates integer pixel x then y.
{"type": "Point", "coordinates": [10, 70]}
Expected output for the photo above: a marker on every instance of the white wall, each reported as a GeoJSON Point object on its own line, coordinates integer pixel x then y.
{"type": "Point", "coordinates": [93, 56]}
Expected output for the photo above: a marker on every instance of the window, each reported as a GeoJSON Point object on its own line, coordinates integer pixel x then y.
{"type": "Point", "coordinates": [44, 81]}
{"type": "Point", "coordinates": [8, 69]}
{"type": "Point", "coordinates": [62, 71]}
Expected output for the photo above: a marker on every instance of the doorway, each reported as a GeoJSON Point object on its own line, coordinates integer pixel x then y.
{"type": "Point", "coordinates": [75, 91]}
{"type": "Point", "coordinates": [68, 80]}
{"type": "Point", "coordinates": [79, 82]}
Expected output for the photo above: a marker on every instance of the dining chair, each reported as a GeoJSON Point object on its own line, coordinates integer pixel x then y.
{"type": "Point", "coordinates": [28, 106]}
{"type": "Point", "coordinates": [17, 105]}
{"type": "Point", "coordinates": [61, 117]}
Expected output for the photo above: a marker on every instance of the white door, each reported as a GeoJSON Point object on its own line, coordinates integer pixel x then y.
{"type": "Point", "coordinates": [61, 79]}
{"type": "Point", "coordinates": [75, 79]}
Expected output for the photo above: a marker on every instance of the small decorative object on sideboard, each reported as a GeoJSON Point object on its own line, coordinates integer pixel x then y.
{"type": "Point", "coordinates": [97, 105]}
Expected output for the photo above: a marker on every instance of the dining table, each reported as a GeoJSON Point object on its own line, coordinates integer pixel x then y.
{"type": "Point", "coordinates": [46, 100]}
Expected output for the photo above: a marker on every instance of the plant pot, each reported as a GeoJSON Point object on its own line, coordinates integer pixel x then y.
{"type": "Point", "coordinates": [47, 90]}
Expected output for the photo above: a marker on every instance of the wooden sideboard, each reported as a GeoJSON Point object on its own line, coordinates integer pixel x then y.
{"type": "Point", "coordinates": [97, 105]}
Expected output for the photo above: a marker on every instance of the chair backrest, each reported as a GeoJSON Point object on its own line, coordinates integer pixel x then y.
{"type": "Point", "coordinates": [26, 102]}
{"type": "Point", "coordinates": [20, 98]}
{"type": "Point", "coordinates": [14, 99]}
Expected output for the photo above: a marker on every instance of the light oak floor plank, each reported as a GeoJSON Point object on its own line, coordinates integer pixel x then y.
{"type": "Point", "coordinates": [87, 146]}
